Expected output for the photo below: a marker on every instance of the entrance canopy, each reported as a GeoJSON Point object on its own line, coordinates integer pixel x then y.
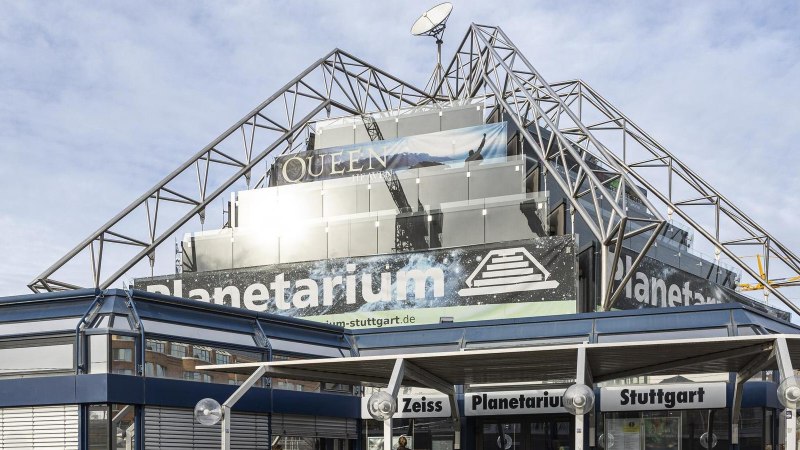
{"type": "Point", "coordinates": [584, 364]}
{"type": "Point", "coordinates": [604, 361]}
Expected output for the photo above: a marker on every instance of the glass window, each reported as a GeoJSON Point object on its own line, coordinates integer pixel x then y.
{"type": "Point", "coordinates": [197, 376]}
{"type": "Point", "coordinates": [98, 427]}
{"type": "Point", "coordinates": [98, 353]}
{"type": "Point", "coordinates": [178, 350]}
{"type": "Point", "coordinates": [38, 326]}
{"type": "Point", "coordinates": [223, 357]}
{"type": "Point", "coordinates": [122, 355]}
{"type": "Point", "coordinates": [201, 353]}
{"type": "Point", "coordinates": [293, 385]}
{"type": "Point", "coordinates": [190, 332]}
{"type": "Point", "coordinates": [37, 357]}
{"type": "Point", "coordinates": [155, 370]}
{"type": "Point", "coordinates": [156, 346]}
{"type": "Point", "coordinates": [177, 364]}
{"type": "Point", "coordinates": [111, 427]}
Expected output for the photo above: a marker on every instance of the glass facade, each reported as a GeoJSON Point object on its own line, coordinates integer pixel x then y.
{"type": "Point", "coordinates": [111, 427]}
{"type": "Point", "coordinates": [483, 202]}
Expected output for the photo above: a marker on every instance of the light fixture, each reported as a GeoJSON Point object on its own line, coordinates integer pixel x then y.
{"type": "Point", "coordinates": [789, 392]}
{"type": "Point", "coordinates": [606, 440]}
{"type": "Point", "coordinates": [208, 412]}
{"type": "Point", "coordinates": [578, 399]}
{"type": "Point", "coordinates": [704, 440]}
{"type": "Point", "coordinates": [381, 406]}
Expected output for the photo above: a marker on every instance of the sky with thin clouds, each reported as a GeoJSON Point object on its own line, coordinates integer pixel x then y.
{"type": "Point", "coordinates": [100, 100]}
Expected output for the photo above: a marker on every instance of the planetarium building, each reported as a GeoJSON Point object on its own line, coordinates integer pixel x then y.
{"type": "Point", "coordinates": [486, 263]}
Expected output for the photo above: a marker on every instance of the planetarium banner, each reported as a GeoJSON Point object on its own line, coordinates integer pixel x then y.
{"type": "Point", "coordinates": [516, 279]}
{"type": "Point", "coordinates": [441, 148]}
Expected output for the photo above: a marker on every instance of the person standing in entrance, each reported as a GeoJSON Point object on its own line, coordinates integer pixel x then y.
{"type": "Point", "coordinates": [402, 443]}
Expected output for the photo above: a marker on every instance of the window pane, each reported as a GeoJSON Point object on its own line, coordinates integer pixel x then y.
{"type": "Point", "coordinates": [98, 353]}
{"type": "Point", "coordinates": [36, 357]}
{"type": "Point", "coordinates": [122, 355]}
{"type": "Point", "coordinates": [98, 427]}
{"type": "Point", "coordinates": [179, 360]}
{"type": "Point", "coordinates": [122, 426]}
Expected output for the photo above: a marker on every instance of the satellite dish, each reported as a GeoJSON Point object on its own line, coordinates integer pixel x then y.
{"type": "Point", "coordinates": [208, 412]}
{"type": "Point", "coordinates": [432, 23]}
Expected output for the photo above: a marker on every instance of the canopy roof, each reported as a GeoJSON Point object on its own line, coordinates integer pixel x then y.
{"type": "Point", "coordinates": [543, 363]}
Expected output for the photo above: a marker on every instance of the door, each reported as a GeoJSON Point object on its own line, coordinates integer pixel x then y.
{"type": "Point", "coordinates": [539, 432]}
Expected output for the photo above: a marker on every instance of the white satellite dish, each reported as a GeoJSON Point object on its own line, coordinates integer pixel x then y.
{"type": "Point", "coordinates": [432, 23]}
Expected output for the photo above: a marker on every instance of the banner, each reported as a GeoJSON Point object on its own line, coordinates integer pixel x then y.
{"type": "Point", "coordinates": [657, 284]}
{"type": "Point", "coordinates": [513, 279]}
{"type": "Point", "coordinates": [441, 148]}
{"type": "Point", "coordinates": [659, 397]}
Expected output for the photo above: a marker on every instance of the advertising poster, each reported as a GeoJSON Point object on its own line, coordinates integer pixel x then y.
{"type": "Point", "coordinates": [514, 279]}
{"type": "Point", "coordinates": [441, 148]}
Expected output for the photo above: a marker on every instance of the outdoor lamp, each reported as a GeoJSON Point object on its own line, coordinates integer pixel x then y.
{"type": "Point", "coordinates": [578, 399]}
{"type": "Point", "coordinates": [208, 412]}
{"type": "Point", "coordinates": [704, 440]}
{"type": "Point", "coordinates": [789, 392]}
{"type": "Point", "coordinates": [606, 440]}
{"type": "Point", "coordinates": [381, 405]}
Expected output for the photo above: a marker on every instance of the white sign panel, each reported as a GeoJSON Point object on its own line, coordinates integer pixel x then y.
{"type": "Point", "coordinates": [658, 397]}
{"type": "Point", "coordinates": [415, 406]}
{"type": "Point", "coordinates": [514, 402]}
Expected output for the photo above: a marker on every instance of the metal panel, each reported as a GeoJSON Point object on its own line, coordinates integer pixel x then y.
{"type": "Point", "coordinates": [40, 427]}
{"type": "Point", "coordinates": [314, 426]}
{"type": "Point", "coordinates": [173, 428]}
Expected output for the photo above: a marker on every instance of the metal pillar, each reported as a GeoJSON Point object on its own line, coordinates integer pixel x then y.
{"type": "Point", "coordinates": [757, 364]}
{"type": "Point", "coordinates": [393, 388]}
{"type": "Point", "coordinates": [583, 375]}
{"type": "Point", "coordinates": [787, 372]}
{"type": "Point", "coordinates": [225, 443]}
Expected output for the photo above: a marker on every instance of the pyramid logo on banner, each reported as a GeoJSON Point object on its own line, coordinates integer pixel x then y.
{"type": "Point", "coordinates": [508, 270]}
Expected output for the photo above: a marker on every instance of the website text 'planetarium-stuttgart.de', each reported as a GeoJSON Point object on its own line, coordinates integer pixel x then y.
{"type": "Point", "coordinates": [482, 266]}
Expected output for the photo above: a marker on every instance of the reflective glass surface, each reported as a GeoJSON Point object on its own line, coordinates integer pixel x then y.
{"type": "Point", "coordinates": [179, 360]}
{"type": "Point", "coordinates": [36, 357]}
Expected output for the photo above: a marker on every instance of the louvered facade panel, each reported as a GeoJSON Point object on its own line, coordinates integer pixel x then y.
{"type": "Point", "coordinates": [173, 428]}
{"type": "Point", "coordinates": [39, 427]}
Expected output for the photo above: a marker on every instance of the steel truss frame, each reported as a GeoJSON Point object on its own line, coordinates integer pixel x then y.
{"type": "Point", "coordinates": [487, 61]}
{"type": "Point", "coordinates": [561, 122]}
{"type": "Point", "coordinates": [553, 120]}
{"type": "Point", "coordinates": [337, 82]}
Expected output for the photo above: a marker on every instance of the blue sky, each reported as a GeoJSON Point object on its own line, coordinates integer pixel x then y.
{"type": "Point", "coordinates": [101, 100]}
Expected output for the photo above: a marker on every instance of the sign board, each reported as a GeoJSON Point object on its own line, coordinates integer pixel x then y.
{"type": "Point", "coordinates": [415, 406]}
{"type": "Point", "coordinates": [514, 279]}
{"type": "Point", "coordinates": [659, 397]}
{"type": "Point", "coordinates": [543, 401]}
{"type": "Point", "coordinates": [440, 148]}
{"type": "Point", "coordinates": [657, 284]}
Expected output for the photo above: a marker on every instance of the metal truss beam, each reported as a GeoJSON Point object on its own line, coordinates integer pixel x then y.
{"type": "Point", "coordinates": [592, 179]}
{"type": "Point", "coordinates": [337, 82]}
{"type": "Point", "coordinates": [680, 190]}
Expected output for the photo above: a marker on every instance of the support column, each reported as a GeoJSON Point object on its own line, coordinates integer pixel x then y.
{"type": "Point", "coordinates": [225, 443]}
{"type": "Point", "coordinates": [393, 388]}
{"type": "Point", "coordinates": [757, 364]}
{"type": "Point", "coordinates": [582, 376]}
{"type": "Point", "coordinates": [787, 372]}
